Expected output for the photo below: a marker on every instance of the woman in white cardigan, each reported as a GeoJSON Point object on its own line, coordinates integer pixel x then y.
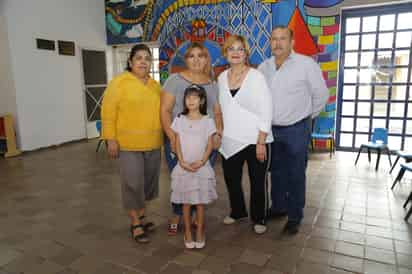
{"type": "Point", "coordinates": [246, 106]}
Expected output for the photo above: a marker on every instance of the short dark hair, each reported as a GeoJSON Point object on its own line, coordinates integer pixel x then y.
{"type": "Point", "coordinates": [284, 27]}
{"type": "Point", "coordinates": [199, 91]}
{"type": "Point", "coordinates": [133, 51]}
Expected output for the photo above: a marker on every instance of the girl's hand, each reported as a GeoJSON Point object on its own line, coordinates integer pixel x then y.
{"type": "Point", "coordinates": [196, 165]}
{"type": "Point", "coordinates": [261, 152]}
{"type": "Point", "coordinates": [186, 166]}
{"type": "Point", "coordinates": [113, 149]}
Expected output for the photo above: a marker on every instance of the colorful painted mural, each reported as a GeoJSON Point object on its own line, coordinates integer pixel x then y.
{"type": "Point", "coordinates": [174, 23]}
{"type": "Point", "coordinates": [325, 32]}
{"type": "Point", "coordinates": [126, 20]}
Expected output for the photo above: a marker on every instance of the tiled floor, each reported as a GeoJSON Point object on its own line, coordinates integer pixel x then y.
{"type": "Point", "coordinates": [60, 212]}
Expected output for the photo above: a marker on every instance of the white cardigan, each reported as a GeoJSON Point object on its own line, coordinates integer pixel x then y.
{"type": "Point", "coordinates": [245, 114]}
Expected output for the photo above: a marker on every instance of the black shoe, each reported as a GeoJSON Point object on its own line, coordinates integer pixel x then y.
{"type": "Point", "coordinates": [272, 214]}
{"type": "Point", "coordinates": [292, 227]}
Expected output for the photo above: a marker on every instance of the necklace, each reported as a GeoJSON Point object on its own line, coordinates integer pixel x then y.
{"type": "Point", "coordinates": [192, 121]}
{"type": "Point", "coordinates": [236, 77]}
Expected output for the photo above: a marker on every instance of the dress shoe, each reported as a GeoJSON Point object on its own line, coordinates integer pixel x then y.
{"type": "Point", "coordinates": [189, 244]}
{"type": "Point", "coordinates": [292, 227]}
{"type": "Point", "coordinates": [201, 244]}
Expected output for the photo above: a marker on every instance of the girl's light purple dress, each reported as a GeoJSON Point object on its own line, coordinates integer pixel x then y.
{"type": "Point", "coordinates": [193, 187]}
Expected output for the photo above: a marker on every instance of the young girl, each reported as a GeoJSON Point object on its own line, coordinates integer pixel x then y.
{"type": "Point", "coordinates": [193, 179]}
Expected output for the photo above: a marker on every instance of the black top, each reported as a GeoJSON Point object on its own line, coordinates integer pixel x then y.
{"type": "Point", "coordinates": [234, 91]}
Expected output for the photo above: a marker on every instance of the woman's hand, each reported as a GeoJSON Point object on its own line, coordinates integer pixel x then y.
{"type": "Point", "coordinates": [113, 149]}
{"type": "Point", "coordinates": [173, 144]}
{"type": "Point", "coordinates": [186, 166]}
{"type": "Point", "coordinates": [261, 152]}
{"type": "Point", "coordinates": [217, 140]}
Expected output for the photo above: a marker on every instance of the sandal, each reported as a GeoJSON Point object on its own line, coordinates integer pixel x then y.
{"type": "Point", "coordinates": [140, 238]}
{"type": "Point", "coordinates": [172, 229]}
{"type": "Point", "coordinates": [149, 226]}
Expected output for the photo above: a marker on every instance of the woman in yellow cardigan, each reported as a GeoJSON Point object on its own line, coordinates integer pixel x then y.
{"type": "Point", "coordinates": [131, 126]}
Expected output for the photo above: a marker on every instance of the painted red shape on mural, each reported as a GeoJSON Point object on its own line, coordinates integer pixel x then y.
{"type": "Point", "coordinates": [332, 99]}
{"type": "Point", "coordinates": [330, 30]}
{"type": "Point", "coordinates": [325, 75]}
{"type": "Point", "coordinates": [304, 43]}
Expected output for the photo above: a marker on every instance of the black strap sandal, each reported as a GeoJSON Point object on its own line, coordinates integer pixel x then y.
{"type": "Point", "coordinates": [149, 226]}
{"type": "Point", "coordinates": [140, 238]}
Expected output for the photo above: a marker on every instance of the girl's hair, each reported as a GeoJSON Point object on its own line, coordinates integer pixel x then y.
{"type": "Point", "coordinates": [133, 52]}
{"type": "Point", "coordinates": [201, 93]}
{"type": "Point", "coordinates": [196, 45]}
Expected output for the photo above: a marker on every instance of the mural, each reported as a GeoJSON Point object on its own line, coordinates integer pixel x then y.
{"type": "Point", "coordinates": [126, 20]}
{"type": "Point", "coordinates": [174, 23]}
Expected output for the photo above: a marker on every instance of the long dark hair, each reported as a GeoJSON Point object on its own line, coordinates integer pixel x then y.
{"type": "Point", "coordinates": [198, 91]}
{"type": "Point", "coordinates": [133, 51]}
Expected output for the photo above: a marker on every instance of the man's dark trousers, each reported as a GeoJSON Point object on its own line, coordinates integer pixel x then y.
{"type": "Point", "coordinates": [288, 168]}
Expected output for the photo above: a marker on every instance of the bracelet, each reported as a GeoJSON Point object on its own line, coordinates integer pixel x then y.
{"type": "Point", "coordinates": [262, 144]}
{"type": "Point", "coordinates": [218, 134]}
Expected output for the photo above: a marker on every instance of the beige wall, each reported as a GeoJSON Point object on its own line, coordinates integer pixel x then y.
{"type": "Point", "coordinates": [7, 89]}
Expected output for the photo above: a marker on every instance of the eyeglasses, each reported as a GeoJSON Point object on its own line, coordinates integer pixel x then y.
{"type": "Point", "coordinates": [233, 49]}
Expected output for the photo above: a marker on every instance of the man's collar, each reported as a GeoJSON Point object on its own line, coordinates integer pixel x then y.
{"type": "Point", "coordinates": [290, 56]}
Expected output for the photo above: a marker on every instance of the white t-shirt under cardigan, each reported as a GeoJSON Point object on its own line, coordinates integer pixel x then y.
{"type": "Point", "coordinates": [246, 113]}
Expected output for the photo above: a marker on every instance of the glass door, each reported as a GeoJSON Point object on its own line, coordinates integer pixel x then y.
{"type": "Point", "coordinates": [375, 76]}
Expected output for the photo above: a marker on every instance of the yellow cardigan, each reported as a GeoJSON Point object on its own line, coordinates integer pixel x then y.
{"type": "Point", "coordinates": [131, 113]}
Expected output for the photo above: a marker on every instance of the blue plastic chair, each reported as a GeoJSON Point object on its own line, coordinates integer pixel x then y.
{"type": "Point", "coordinates": [323, 129]}
{"type": "Point", "coordinates": [404, 167]}
{"type": "Point", "coordinates": [379, 142]}
{"type": "Point", "coordinates": [406, 155]}
{"type": "Point", "coordinates": [99, 130]}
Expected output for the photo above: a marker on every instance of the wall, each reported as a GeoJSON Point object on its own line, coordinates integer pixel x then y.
{"type": "Point", "coordinates": [7, 89]}
{"type": "Point", "coordinates": [49, 96]}
{"type": "Point", "coordinates": [347, 3]}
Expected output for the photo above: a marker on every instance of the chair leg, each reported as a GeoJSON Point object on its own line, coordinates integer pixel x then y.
{"type": "Point", "coordinates": [369, 155]}
{"type": "Point", "coordinates": [398, 177]}
{"type": "Point", "coordinates": [357, 157]}
{"type": "Point", "coordinates": [99, 144]}
{"type": "Point", "coordinates": [394, 164]}
{"type": "Point", "coordinates": [389, 156]}
{"type": "Point", "coordinates": [408, 200]}
{"type": "Point", "coordinates": [378, 159]}
{"type": "Point", "coordinates": [331, 148]}
{"type": "Point", "coordinates": [408, 214]}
